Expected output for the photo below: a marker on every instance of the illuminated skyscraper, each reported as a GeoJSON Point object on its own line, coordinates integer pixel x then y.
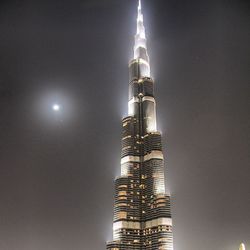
{"type": "Point", "coordinates": [142, 217]}
{"type": "Point", "coordinates": [242, 247]}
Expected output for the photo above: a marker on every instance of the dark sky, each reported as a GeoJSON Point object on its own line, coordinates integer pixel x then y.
{"type": "Point", "coordinates": [57, 170]}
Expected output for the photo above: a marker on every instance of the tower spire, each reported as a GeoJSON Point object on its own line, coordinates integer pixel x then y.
{"type": "Point", "coordinates": [140, 37]}
{"type": "Point", "coordinates": [140, 25]}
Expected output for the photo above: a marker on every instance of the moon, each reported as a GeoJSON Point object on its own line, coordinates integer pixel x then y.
{"type": "Point", "coordinates": [56, 107]}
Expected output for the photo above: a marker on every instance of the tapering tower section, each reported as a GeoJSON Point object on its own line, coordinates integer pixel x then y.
{"type": "Point", "coordinates": [142, 217]}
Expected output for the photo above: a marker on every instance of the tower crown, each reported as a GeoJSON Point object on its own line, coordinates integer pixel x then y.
{"type": "Point", "coordinates": [140, 26]}
{"type": "Point", "coordinates": [140, 48]}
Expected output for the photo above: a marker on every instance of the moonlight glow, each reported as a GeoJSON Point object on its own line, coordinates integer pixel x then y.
{"type": "Point", "coordinates": [56, 107]}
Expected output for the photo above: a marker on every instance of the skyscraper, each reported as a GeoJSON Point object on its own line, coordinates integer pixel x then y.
{"type": "Point", "coordinates": [242, 247]}
{"type": "Point", "coordinates": [142, 217]}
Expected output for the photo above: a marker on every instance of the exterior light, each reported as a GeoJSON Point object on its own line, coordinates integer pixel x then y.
{"type": "Point", "coordinates": [242, 247]}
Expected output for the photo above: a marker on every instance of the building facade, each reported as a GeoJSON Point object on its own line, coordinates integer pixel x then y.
{"type": "Point", "coordinates": [142, 216]}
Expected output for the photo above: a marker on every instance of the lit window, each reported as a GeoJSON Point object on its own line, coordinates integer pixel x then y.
{"type": "Point", "coordinates": [122, 215]}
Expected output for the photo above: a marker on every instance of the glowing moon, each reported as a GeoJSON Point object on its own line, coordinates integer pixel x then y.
{"type": "Point", "coordinates": [56, 107]}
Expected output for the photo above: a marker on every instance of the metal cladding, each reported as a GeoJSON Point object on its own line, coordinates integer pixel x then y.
{"type": "Point", "coordinates": [142, 216]}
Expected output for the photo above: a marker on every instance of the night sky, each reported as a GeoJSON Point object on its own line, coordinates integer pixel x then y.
{"type": "Point", "coordinates": [57, 168]}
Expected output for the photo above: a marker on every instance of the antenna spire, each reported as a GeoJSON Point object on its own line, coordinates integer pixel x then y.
{"type": "Point", "coordinates": [139, 5]}
{"type": "Point", "coordinates": [140, 48]}
{"type": "Point", "coordinates": [140, 25]}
